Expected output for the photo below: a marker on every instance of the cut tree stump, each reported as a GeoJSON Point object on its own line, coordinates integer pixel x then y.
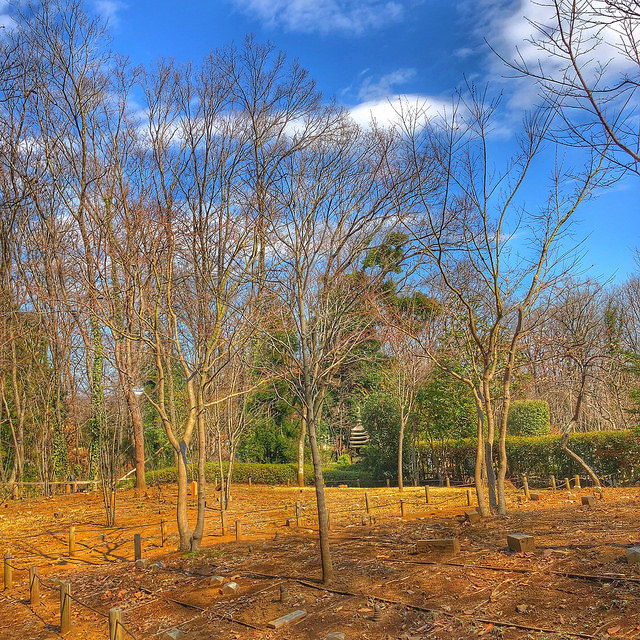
{"type": "Point", "coordinates": [521, 542]}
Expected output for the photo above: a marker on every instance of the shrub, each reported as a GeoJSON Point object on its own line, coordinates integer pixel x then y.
{"type": "Point", "coordinates": [528, 418]}
{"type": "Point", "coordinates": [271, 474]}
{"type": "Point", "coordinates": [607, 452]}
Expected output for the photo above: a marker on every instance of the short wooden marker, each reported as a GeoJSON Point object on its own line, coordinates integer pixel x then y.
{"type": "Point", "coordinates": [576, 482]}
{"type": "Point", "coordinates": [401, 507]}
{"type": "Point", "coordinates": [468, 497]}
{"type": "Point", "coordinates": [298, 511]}
{"type": "Point", "coordinates": [8, 574]}
{"type": "Point", "coordinates": [249, 482]}
{"type": "Point", "coordinates": [238, 530]}
{"type": "Point", "coordinates": [448, 545]}
{"type": "Point", "coordinates": [448, 482]}
{"type": "Point", "coordinates": [553, 483]}
{"type": "Point", "coordinates": [366, 501]}
{"type": "Point", "coordinates": [115, 624]}
{"type": "Point", "coordinates": [472, 516]}
{"type": "Point", "coordinates": [288, 619]}
{"type": "Point", "coordinates": [426, 493]}
{"type": "Point", "coordinates": [388, 483]}
{"type": "Point", "coordinates": [567, 484]}
{"type": "Point", "coordinates": [588, 501]}
{"type": "Point", "coordinates": [223, 522]}
{"type": "Point", "coordinates": [72, 542]}
{"type": "Point", "coordinates": [137, 547]}
{"type": "Point", "coordinates": [34, 586]}
{"type": "Point", "coordinates": [65, 607]}
{"type": "Point", "coordinates": [525, 483]}
{"type": "Point", "coordinates": [521, 542]}
{"type": "Point", "coordinates": [194, 489]}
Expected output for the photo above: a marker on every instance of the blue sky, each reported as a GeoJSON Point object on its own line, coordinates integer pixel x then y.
{"type": "Point", "coordinates": [363, 52]}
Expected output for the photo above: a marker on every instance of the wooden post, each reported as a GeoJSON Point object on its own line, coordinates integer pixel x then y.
{"type": "Point", "coordinates": [72, 542]}
{"type": "Point", "coordinates": [426, 493]}
{"type": "Point", "coordinates": [249, 482]}
{"type": "Point", "coordinates": [65, 607]}
{"type": "Point", "coordinates": [402, 507]}
{"type": "Point", "coordinates": [115, 628]}
{"type": "Point", "coordinates": [468, 497]}
{"type": "Point", "coordinates": [297, 514]}
{"type": "Point", "coordinates": [567, 484]}
{"type": "Point", "coordinates": [34, 586]}
{"type": "Point", "coordinates": [525, 482]}
{"type": "Point", "coordinates": [238, 530]}
{"type": "Point", "coordinates": [576, 483]}
{"type": "Point", "coordinates": [387, 483]}
{"type": "Point", "coordinates": [553, 483]}
{"type": "Point", "coordinates": [448, 482]}
{"type": "Point", "coordinates": [8, 575]}
{"type": "Point", "coordinates": [194, 489]}
{"type": "Point", "coordinates": [67, 488]}
{"type": "Point", "coordinates": [288, 483]}
{"type": "Point", "coordinates": [366, 501]}
{"type": "Point", "coordinates": [163, 536]}
{"type": "Point", "coordinates": [137, 546]}
{"type": "Point", "coordinates": [358, 482]}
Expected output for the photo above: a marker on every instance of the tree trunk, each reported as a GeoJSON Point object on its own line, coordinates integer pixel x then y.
{"type": "Point", "coordinates": [138, 439]}
{"type": "Point", "coordinates": [181, 506]}
{"type": "Point", "coordinates": [323, 521]}
{"type": "Point", "coordinates": [572, 454]}
{"type": "Point", "coordinates": [483, 508]}
{"type": "Point", "coordinates": [301, 441]}
{"type": "Point", "coordinates": [403, 421]}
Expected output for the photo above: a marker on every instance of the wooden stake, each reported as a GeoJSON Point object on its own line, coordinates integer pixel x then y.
{"type": "Point", "coordinates": [297, 514]}
{"type": "Point", "coordinates": [402, 507]}
{"type": "Point", "coordinates": [137, 546]}
{"type": "Point", "coordinates": [65, 607]}
{"type": "Point", "coordinates": [553, 483]}
{"type": "Point", "coordinates": [34, 586]}
{"type": "Point", "coordinates": [576, 482]}
{"type": "Point", "coordinates": [448, 482]}
{"type": "Point", "coordinates": [426, 493]}
{"type": "Point", "coordinates": [249, 481]}
{"type": "Point", "coordinates": [366, 501]}
{"type": "Point", "coordinates": [72, 542]}
{"type": "Point", "coordinates": [8, 574]}
{"type": "Point", "coordinates": [238, 530]}
{"type": "Point", "coordinates": [163, 536]}
{"type": "Point", "coordinates": [387, 483]}
{"type": "Point", "coordinates": [525, 482]}
{"type": "Point", "coordinates": [468, 497]}
{"type": "Point", "coordinates": [194, 489]}
{"type": "Point", "coordinates": [115, 626]}
{"type": "Point", "coordinates": [223, 522]}
{"type": "Point", "coordinates": [566, 484]}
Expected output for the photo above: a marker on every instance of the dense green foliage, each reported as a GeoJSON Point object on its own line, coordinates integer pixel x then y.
{"type": "Point", "coordinates": [607, 452]}
{"type": "Point", "coordinates": [271, 474]}
{"type": "Point", "coordinates": [529, 418]}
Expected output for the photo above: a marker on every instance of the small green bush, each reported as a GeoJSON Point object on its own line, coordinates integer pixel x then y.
{"type": "Point", "coordinates": [529, 418]}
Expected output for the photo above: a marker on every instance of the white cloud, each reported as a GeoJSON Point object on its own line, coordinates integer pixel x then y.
{"type": "Point", "coordinates": [372, 90]}
{"type": "Point", "coordinates": [108, 9]}
{"type": "Point", "coordinates": [353, 17]}
{"type": "Point", "coordinates": [388, 111]}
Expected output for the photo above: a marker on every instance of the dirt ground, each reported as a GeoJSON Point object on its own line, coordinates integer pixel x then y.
{"type": "Point", "coordinates": [576, 584]}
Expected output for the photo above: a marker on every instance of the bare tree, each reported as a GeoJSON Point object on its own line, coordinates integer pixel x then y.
{"type": "Point", "coordinates": [466, 223]}
{"type": "Point", "coordinates": [588, 72]}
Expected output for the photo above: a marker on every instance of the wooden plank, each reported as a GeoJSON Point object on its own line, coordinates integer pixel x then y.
{"type": "Point", "coordinates": [452, 545]}
{"type": "Point", "coordinates": [288, 619]}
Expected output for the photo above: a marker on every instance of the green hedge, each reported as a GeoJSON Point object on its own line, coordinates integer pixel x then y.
{"type": "Point", "coordinates": [607, 452]}
{"type": "Point", "coordinates": [529, 418]}
{"type": "Point", "coordinates": [267, 474]}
